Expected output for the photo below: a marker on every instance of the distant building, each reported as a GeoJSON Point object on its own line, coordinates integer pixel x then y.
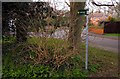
{"type": "Point", "coordinates": [95, 18]}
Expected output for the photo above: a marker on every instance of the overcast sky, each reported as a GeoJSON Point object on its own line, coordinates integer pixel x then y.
{"type": "Point", "coordinates": [61, 5]}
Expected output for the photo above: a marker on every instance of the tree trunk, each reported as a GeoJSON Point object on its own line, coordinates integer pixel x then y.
{"type": "Point", "coordinates": [5, 25]}
{"type": "Point", "coordinates": [21, 29]}
{"type": "Point", "coordinates": [76, 23]}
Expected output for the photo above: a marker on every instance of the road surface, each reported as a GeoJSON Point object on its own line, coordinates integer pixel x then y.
{"type": "Point", "coordinates": [104, 43]}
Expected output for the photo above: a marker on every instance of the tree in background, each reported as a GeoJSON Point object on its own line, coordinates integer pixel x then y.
{"type": "Point", "coordinates": [39, 13]}
{"type": "Point", "coordinates": [18, 12]}
{"type": "Point", "coordinates": [117, 9]}
{"type": "Point", "coordinates": [26, 14]}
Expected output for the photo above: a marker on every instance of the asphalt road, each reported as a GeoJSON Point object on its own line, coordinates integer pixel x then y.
{"type": "Point", "coordinates": [104, 43]}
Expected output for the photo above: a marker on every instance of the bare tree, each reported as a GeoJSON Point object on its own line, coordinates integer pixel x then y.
{"type": "Point", "coordinates": [113, 6]}
{"type": "Point", "coordinates": [76, 22]}
{"type": "Point", "coordinates": [116, 8]}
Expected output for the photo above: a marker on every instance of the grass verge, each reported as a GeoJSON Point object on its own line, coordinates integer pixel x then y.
{"type": "Point", "coordinates": [113, 34]}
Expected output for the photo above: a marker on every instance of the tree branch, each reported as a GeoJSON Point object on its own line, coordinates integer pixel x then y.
{"type": "Point", "coordinates": [67, 4]}
{"type": "Point", "coordinates": [102, 4]}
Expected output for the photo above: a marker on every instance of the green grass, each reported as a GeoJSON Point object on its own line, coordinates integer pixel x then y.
{"type": "Point", "coordinates": [113, 34]}
{"type": "Point", "coordinates": [101, 62]}
{"type": "Point", "coordinates": [0, 40]}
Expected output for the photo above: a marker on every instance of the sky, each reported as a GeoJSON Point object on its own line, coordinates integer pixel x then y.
{"type": "Point", "coordinates": [61, 5]}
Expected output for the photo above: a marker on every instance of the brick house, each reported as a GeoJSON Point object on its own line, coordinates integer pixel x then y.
{"type": "Point", "coordinates": [97, 17]}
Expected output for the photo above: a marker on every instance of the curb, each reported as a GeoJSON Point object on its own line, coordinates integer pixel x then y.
{"type": "Point", "coordinates": [102, 36]}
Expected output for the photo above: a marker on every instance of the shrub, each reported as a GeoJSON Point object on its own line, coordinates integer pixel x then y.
{"type": "Point", "coordinates": [28, 71]}
{"type": "Point", "coordinates": [111, 19]}
{"type": "Point", "coordinates": [43, 57]}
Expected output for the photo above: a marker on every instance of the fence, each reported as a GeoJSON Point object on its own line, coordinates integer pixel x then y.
{"type": "Point", "coordinates": [112, 27]}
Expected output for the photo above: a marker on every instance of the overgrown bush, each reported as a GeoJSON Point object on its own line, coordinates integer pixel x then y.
{"type": "Point", "coordinates": [43, 57]}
